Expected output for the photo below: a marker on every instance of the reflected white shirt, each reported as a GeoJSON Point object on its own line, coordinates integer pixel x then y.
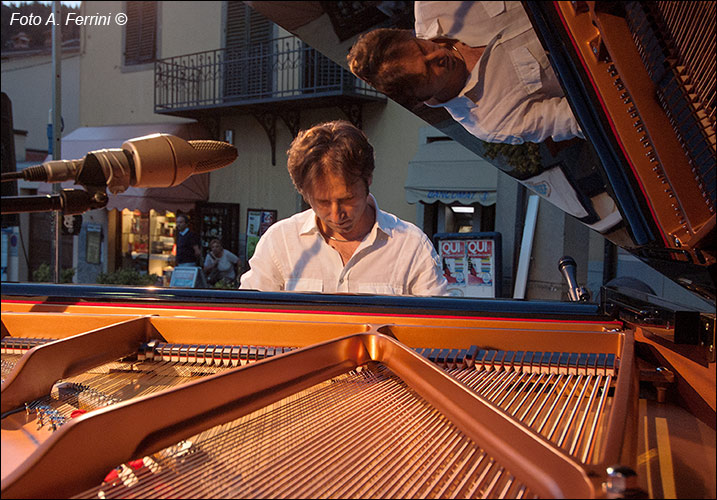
{"type": "Point", "coordinates": [512, 95]}
{"type": "Point", "coordinates": [394, 258]}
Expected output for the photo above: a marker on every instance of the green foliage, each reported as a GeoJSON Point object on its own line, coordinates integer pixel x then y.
{"type": "Point", "coordinates": [36, 32]}
{"type": "Point", "coordinates": [524, 158]}
{"type": "Point", "coordinates": [127, 277]}
{"type": "Point", "coordinates": [225, 284]}
{"type": "Point", "coordinates": [44, 273]}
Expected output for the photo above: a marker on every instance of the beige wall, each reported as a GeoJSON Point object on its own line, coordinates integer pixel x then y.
{"type": "Point", "coordinates": [113, 94]}
{"type": "Point", "coordinates": [253, 181]}
{"type": "Point", "coordinates": [28, 82]}
{"type": "Point", "coordinates": [393, 131]}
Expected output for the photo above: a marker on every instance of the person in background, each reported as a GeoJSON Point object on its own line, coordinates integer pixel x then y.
{"type": "Point", "coordinates": [345, 243]}
{"type": "Point", "coordinates": [220, 264]}
{"type": "Point", "coordinates": [188, 249]}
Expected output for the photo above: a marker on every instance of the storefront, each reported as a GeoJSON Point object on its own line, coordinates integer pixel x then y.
{"type": "Point", "coordinates": [454, 190]}
{"type": "Point", "coordinates": [147, 240]}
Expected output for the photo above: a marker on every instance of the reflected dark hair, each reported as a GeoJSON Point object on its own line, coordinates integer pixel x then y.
{"type": "Point", "coordinates": [336, 147]}
{"type": "Point", "coordinates": [373, 58]}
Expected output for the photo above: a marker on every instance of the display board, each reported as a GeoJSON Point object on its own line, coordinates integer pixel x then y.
{"type": "Point", "coordinates": [258, 221]}
{"type": "Point", "coordinates": [185, 277]}
{"type": "Point", "coordinates": [471, 263]}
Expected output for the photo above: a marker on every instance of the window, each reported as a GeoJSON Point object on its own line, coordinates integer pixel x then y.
{"type": "Point", "coordinates": [140, 45]}
{"type": "Point", "coordinates": [249, 58]}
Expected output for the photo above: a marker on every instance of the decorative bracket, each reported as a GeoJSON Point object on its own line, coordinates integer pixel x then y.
{"type": "Point", "coordinates": [354, 113]}
{"type": "Point", "coordinates": [268, 121]}
{"type": "Point", "coordinates": [292, 120]}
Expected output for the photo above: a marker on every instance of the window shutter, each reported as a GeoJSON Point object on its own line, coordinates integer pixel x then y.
{"type": "Point", "coordinates": [248, 52]}
{"type": "Point", "coordinates": [245, 26]}
{"type": "Point", "coordinates": [140, 33]}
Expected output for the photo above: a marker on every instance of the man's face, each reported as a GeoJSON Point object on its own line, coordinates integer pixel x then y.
{"type": "Point", "coordinates": [339, 206]}
{"type": "Point", "coordinates": [437, 70]}
{"type": "Point", "coordinates": [181, 224]}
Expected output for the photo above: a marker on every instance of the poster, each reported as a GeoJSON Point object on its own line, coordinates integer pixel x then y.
{"type": "Point", "coordinates": [452, 253]}
{"type": "Point", "coordinates": [470, 263]}
{"type": "Point", "coordinates": [479, 259]}
{"type": "Point", "coordinates": [257, 222]}
{"type": "Point", "coordinates": [93, 244]}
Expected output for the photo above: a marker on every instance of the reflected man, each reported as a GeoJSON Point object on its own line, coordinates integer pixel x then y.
{"type": "Point", "coordinates": [481, 61]}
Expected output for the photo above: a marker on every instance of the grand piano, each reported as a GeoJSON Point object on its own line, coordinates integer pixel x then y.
{"type": "Point", "coordinates": [168, 393]}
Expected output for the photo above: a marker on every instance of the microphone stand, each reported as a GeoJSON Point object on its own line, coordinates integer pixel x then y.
{"type": "Point", "coordinates": [67, 201]}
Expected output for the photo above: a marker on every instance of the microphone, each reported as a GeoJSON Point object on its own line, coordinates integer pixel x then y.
{"type": "Point", "coordinates": [577, 293]}
{"type": "Point", "coordinates": [157, 160]}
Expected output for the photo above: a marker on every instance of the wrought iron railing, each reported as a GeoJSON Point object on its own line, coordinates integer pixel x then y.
{"type": "Point", "coordinates": [279, 69]}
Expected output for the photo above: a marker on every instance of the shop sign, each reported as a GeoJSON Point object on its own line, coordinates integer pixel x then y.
{"type": "Point", "coordinates": [452, 195]}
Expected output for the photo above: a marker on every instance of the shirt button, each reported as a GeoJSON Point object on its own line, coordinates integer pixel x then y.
{"type": "Point", "coordinates": [341, 280]}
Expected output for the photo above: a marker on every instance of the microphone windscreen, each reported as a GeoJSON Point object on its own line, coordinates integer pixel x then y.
{"type": "Point", "coordinates": [220, 154]}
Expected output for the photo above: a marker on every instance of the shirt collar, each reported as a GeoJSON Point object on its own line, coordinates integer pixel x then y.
{"type": "Point", "coordinates": [434, 30]}
{"type": "Point", "coordinates": [186, 230]}
{"type": "Point", "coordinates": [473, 77]}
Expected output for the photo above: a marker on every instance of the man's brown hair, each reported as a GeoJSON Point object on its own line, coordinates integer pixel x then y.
{"type": "Point", "coordinates": [373, 59]}
{"type": "Point", "coordinates": [335, 147]}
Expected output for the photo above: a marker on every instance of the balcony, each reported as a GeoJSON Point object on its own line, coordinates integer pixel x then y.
{"type": "Point", "coordinates": [276, 76]}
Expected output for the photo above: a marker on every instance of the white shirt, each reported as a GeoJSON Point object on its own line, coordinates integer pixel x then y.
{"type": "Point", "coordinates": [512, 95]}
{"type": "Point", "coordinates": [394, 258]}
{"type": "Point", "coordinates": [225, 264]}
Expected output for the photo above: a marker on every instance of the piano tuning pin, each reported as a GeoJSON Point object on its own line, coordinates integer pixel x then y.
{"type": "Point", "coordinates": [41, 414]}
{"type": "Point", "coordinates": [127, 476]}
{"type": "Point", "coordinates": [152, 465]}
{"type": "Point", "coordinates": [56, 420]}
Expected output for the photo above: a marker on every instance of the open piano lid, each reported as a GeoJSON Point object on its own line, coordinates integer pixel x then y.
{"type": "Point", "coordinates": [645, 175]}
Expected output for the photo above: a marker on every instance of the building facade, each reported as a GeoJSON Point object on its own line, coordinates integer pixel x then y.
{"type": "Point", "coordinates": [220, 70]}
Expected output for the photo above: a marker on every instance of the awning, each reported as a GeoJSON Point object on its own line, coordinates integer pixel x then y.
{"type": "Point", "coordinates": [446, 171]}
{"type": "Point", "coordinates": [79, 142]}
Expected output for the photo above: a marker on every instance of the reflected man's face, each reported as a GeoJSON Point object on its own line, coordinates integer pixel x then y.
{"type": "Point", "coordinates": [339, 207]}
{"type": "Point", "coordinates": [439, 71]}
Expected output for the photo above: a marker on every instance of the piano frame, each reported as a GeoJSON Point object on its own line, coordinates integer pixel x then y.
{"type": "Point", "coordinates": [335, 335]}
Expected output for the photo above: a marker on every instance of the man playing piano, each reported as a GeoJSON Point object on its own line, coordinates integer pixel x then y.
{"type": "Point", "coordinates": [344, 243]}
